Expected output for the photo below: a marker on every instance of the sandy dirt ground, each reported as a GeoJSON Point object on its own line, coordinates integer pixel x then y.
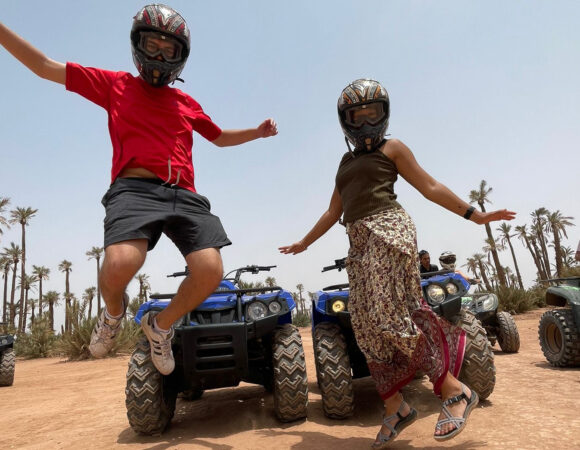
{"type": "Point", "coordinates": [55, 404]}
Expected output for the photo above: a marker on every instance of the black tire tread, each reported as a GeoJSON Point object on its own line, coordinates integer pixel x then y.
{"type": "Point", "coordinates": [7, 365]}
{"type": "Point", "coordinates": [569, 354]}
{"type": "Point", "coordinates": [508, 336]}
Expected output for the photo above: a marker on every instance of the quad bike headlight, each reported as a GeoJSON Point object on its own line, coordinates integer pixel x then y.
{"type": "Point", "coordinates": [435, 293]}
{"type": "Point", "coordinates": [275, 307]}
{"type": "Point", "coordinates": [489, 302]}
{"type": "Point", "coordinates": [257, 310]}
{"type": "Point", "coordinates": [451, 288]}
{"type": "Point", "coordinates": [338, 306]}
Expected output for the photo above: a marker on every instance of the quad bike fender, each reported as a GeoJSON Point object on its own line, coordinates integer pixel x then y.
{"type": "Point", "coordinates": [563, 296]}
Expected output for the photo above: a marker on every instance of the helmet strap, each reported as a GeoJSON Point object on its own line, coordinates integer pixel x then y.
{"type": "Point", "coordinates": [348, 146]}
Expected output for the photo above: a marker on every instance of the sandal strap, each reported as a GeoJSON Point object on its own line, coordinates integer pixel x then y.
{"type": "Point", "coordinates": [456, 399]}
{"type": "Point", "coordinates": [457, 421]}
{"type": "Point", "coordinates": [397, 415]}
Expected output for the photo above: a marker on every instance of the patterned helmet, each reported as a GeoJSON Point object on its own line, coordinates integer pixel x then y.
{"type": "Point", "coordinates": [447, 260]}
{"type": "Point", "coordinates": [363, 112]}
{"type": "Point", "coordinates": [169, 25]}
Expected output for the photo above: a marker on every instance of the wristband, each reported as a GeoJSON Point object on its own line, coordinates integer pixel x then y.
{"type": "Point", "coordinates": [469, 212]}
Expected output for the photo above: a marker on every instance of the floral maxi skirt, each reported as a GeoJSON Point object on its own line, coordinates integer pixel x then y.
{"type": "Point", "coordinates": [394, 327]}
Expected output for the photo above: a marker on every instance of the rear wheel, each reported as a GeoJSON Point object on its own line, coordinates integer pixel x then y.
{"type": "Point", "coordinates": [7, 363]}
{"type": "Point", "coordinates": [333, 371]}
{"type": "Point", "coordinates": [290, 382]}
{"type": "Point", "coordinates": [560, 338]}
{"type": "Point", "coordinates": [478, 368]}
{"type": "Point", "coordinates": [508, 336]}
{"type": "Point", "coordinates": [150, 402]}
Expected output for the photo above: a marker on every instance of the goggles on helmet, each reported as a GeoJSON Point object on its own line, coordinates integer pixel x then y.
{"type": "Point", "coordinates": [448, 259]}
{"type": "Point", "coordinates": [371, 113]}
{"type": "Point", "coordinates": [154, 44]}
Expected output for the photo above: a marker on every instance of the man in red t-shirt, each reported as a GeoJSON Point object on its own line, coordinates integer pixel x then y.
{"type": "Point", "coordinates": [152, 179]}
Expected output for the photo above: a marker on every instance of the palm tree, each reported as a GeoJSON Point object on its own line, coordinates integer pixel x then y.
{"type": "Point", "coordinates": [22, 216]}
{"type": "Point", "coordinates": [479, 258]}
{"type": "Point", "coordinates": [14, 253]}
{"type": "Point", "coordinates": [300, 298]}
{"type": "Point", "coordinates": [523, 235]}
{"type": "Point", "coordinates": [32, 307]}
{"type": "Point", "coordinates": [65, 266]}
{"type": "Point", "coordinates": [52, 298]}
{"type": "Point", "coordinates": [557, 223]}
{"type": "Point", "coordinates": [568, 254]}
{"type": "Point", "coordinates": [41, 274]}
{"type": "Point", "coordinates": [539, 223]}
{"type": "Point", "coordinates": [270, 281]}
{"type": "Point", "coordinates": [505, 230]}
{"type": "Point", "coordinates": [144, 286]}
{"type": "Point", "coordinates": [481, 197]}
{"type": "Point", "coordinates": [26, 284]}
{"type": "Point", "coordinates": [4, 202]}
{"type": "Point", "coordinates": [95, 253]}
{"type": "Point", "coordinates": [88, 297]}
{"type": "Point", "coordinates": [471, 265]}
{"type": "Point", "coordinates": [5, 263]}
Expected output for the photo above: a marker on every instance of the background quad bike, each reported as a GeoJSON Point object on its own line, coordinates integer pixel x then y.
{"type": "Point", "coordinates": [559, 329]}
{"type": "Point", "coordinates": [339, 360]}
{"type": "Point", "coordinates": [7, 359]}
{"type": "Point", "coordinates": [234, 335]}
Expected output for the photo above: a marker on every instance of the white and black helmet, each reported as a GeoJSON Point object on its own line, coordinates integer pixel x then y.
{"type": "Point", "coordinates": [447, 260]}
{"type": "Point", "coordinates": [363, 111]}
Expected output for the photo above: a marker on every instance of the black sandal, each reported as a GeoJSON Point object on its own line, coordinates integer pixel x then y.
{"type": "Point", "coordinates": [459, 422]}
{"type": "Point", "coordinates": [383, 440]}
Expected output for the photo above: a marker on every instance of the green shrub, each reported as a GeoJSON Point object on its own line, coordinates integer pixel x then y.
{"type": "Point", "coordinates": [40, 342]}
{"type": "Point", "coordinates": [301, 320]}
{"type": "Point", "coordinates": [517, 301]}
{"type": "Point", "coordinates": [75, 344]}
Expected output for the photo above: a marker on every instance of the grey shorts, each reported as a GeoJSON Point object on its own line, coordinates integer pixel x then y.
{"type": "Point", "coordinates": [142, 208]}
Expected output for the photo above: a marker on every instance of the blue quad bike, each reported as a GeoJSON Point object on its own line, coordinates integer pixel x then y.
{"type": "Point", "coordinates": [339, 360]}
{"type": "Point", "coordinates": [559, 329]}
{"type": "Point", "coordinates": [234, 335]}
{"type": "Point", "coordinates": [7, 359]}
{"type": "Point", "coordinates": [499, 326]}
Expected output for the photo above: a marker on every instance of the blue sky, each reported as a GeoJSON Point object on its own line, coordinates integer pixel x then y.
{"type": "Point", "coordinates": [479, 90]}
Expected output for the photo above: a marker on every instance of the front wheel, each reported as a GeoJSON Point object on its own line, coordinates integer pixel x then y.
{"type": "Point", "coordinates": [7, 363]}
{"type": "Point", "coordinates": [333, 371]}
{"type": "Point", "coordinates": [560, 338]}
{"type": "Point", "coordinates": [478, 368]}
{"type": "Point", "coordinates": [290, 383]}
{"type": "Point", "coordinates": [150, 403]}
{"type": "Point", "coordinates": [508, 336]}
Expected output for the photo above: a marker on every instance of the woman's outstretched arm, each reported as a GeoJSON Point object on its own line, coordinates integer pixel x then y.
{"type": "Point", "coordinates": [433, 190]}
{"type": "Point", "coordinates": [31, 57]}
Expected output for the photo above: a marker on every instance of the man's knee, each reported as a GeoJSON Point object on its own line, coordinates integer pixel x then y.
{"type": "Point", "coordinates": [206, 264]}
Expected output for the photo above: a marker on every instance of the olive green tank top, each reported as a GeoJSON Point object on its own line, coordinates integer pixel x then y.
{"type": "Point", "coordinates": [365, 182]}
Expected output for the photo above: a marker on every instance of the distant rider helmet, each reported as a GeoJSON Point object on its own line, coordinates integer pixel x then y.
{"type": "Point", "coordinates": [363, 112]}
{"type": "Point", "coordinates": [157, 64]}
{"type": "Point", "coordinates": [447, 260]}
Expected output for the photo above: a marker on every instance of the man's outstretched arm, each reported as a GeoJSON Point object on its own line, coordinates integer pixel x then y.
{"type": "Point", "coordinates": [31, 57]}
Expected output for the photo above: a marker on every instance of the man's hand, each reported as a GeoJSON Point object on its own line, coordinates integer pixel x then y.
{"type": "Point", "coordinates": [267, 128]}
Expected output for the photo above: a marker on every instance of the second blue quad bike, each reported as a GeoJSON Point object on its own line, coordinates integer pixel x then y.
{"type": "Point", "coordinates": [234, 335]}
{"type": "Point", "coordinates": [339, 360]}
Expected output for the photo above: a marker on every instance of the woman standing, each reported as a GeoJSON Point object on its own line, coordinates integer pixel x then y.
{"type": "Point", "coordinates": [395, 329]}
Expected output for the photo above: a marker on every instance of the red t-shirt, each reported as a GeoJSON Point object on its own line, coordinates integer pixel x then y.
{"type": "Point", "coordinates": [150, 127]}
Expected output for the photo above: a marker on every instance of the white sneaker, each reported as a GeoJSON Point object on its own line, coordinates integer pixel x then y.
{"type": "Point", "coordinates": [105, 332]}
{"type": "Point", "coordinates": [161, 353]}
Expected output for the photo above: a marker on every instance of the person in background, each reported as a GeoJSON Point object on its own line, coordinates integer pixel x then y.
{"type": "Point", "coordinates": [425, 262]}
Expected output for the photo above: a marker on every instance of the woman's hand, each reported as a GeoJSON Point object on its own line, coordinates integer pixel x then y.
{"type": "Point", "coordinates": [486, 217]}
{"type": "Point", "coordinates": [294, 249]}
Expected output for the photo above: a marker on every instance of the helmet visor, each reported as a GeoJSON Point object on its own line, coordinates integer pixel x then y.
{"type": "Point", "coordinates": [155, 44]}
{"type": "Point", "coordinates": [448, 259]}
{"type": "Point", "coordinates": [371, 113]}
